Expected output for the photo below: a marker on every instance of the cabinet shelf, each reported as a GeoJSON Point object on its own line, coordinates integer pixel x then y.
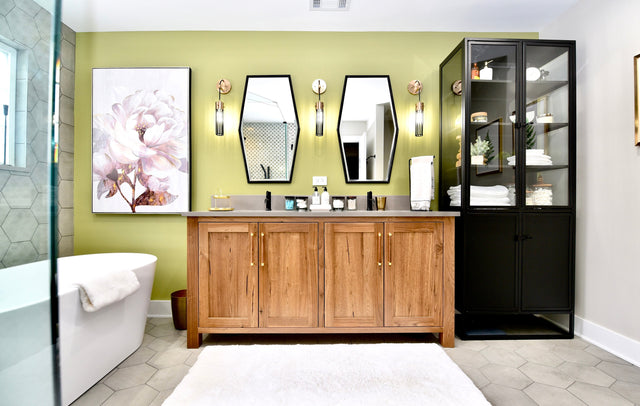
{"type": "Point", "coordinates": [536, 90]}
{"type": "Point", "coordinates": [541, 168]}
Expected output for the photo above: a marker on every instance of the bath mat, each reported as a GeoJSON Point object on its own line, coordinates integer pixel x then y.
{"type": "Point", "coordinates": [337, 374]}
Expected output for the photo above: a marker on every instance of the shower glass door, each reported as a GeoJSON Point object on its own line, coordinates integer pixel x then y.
{"type": "Point", "coordinates": [29, 94]}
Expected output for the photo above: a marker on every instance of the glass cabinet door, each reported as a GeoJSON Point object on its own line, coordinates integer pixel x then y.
{"type": "Point", "coordinates": [546, 129]}
{"type": "Point", "coordinates": [491, 126]}
{"type": "Point", "coordinates": [451, 95]}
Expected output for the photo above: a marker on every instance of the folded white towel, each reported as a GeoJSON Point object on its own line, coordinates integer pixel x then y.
{"type": "Point", "coordinates": [100, 287]}
{"type": "Point", "coordinates": [421, 182]}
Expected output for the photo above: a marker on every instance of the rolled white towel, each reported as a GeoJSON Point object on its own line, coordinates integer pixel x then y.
{"type": "Point", "coordinates": [100, 287]}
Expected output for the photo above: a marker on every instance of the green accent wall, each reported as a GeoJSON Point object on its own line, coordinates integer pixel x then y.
{"type": "Point", "coordinates": [216, 162]}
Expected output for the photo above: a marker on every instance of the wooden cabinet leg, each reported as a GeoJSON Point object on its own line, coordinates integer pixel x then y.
{"type": "Point", "coordinates": [194, 339]}
{"type": "Point", "coordinates": [447, 338]}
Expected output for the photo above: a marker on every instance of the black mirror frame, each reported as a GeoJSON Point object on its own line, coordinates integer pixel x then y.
{"type": "Point", "coordinates": [395, 132]}
{"type": "Point", "coordinates": [295, 109]}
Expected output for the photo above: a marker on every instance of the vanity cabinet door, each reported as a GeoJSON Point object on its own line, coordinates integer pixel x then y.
{"type": "Point", "coordinates": [228, 275]}
{"type": "Point", "coordinates": [353, 274]}
{"type": "Point", "coordinates": [413, 274]}
{"type": "Point", "coordinates": [288, 274]}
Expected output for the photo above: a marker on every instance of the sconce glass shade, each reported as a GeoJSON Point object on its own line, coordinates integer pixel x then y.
{"type": "Point", "coordinates": [219, 118]}
{"type": "Point", "coordinates": [419, 118]}
{"type": "Point", "coordinates": [415, 88]}
{"type": "Point", "coordinates": [319, 119]}
{"type": "Point", "coordinates": [319, 86]}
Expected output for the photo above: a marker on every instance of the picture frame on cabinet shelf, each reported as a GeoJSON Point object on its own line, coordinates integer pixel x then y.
{"type": "Point", "coordinates": [636, 97]}
{"type": "Point", "coordinates": [141, 140]}
{"type": "Point", "coordinates": [491, 132]}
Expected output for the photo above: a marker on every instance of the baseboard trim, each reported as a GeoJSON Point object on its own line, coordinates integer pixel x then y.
{"type": "Point", "coordinates": [159, 308]}
{"type": "Point", "coordinates": [619, 345]}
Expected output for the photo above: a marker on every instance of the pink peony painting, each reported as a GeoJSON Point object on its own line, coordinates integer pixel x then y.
{"type": "Point", "coordinates": [140, 138]}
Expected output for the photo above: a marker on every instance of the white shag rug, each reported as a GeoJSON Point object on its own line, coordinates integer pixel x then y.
{"type": "Point", "coordinates": [338, 374]}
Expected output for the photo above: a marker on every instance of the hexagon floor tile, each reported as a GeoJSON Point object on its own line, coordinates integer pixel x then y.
{"type": "Point", "coordinates": [509, 373]}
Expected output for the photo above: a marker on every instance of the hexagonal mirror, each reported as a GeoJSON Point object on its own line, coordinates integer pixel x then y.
{"type": "Point", "coordinates": [269, 128]}
{"type": "Point", "coordinates": [367, 129]}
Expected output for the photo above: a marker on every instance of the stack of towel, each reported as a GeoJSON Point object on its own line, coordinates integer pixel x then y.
{"type": "Point", "coordinates": [534, 157]}
{"type": "Point", "coordinates": [497, 195]}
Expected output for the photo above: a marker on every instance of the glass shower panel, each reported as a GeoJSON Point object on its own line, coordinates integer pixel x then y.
{"type": "Point", "coordinates": [28, 182]}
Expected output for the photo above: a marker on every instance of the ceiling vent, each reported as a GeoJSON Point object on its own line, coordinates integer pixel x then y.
{"type": "Point", "coordinates": [330, 5]}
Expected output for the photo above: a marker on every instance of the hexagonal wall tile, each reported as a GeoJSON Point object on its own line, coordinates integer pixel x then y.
{"type": "Point", "coordinates": [20, 253]}
{"type": "Point", "coordinates": [20, 225]}
{"type": "Point", "coordinates": [4, 243]}
{"type": "Point", "coordinates": [40, 239]}
{"type": "Point", "coordinates": [19, 192]}
{"type": "Point", "coordinates": [23, 28]}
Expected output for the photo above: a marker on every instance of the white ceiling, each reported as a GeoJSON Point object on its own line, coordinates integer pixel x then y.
{"type": "Point", "coordinates": [295, 15]}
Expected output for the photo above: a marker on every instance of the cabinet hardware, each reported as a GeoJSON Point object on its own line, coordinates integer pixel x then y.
{"type": "Point", "coordinates": [251, 251]}
{"type": "Point", "coordinates": [379, 249]}
{"type": "Point", "coordinates": [262, 249]}
{"type": "Point", "coordinates": [389, 248]}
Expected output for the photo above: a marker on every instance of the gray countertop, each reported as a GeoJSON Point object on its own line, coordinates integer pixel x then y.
{"type": "Point", "coordinates": [344, 213]}
{"type": "Point", "coordinates": [254, 206]}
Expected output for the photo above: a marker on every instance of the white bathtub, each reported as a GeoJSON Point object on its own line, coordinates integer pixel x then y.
{"type": "Point", "coordinates": [92, 344]}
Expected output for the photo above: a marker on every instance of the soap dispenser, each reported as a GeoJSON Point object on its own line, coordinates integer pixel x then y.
{"type": "Point", "coordinates": [324, 197]}
{"type": "Point", "coordinates": [315, 198]}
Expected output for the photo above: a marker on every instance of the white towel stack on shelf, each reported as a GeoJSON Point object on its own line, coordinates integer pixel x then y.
{"type": "Point", "coordinates": [534, 157]}
{"type": "Point", "coordinates": [497, 195]}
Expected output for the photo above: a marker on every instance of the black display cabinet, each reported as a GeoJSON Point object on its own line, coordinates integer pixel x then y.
{"type": "Point", "coordinates": [508, 164]}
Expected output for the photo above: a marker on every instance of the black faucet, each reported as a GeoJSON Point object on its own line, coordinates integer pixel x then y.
{"type": "Point", "coordinates": [267, 201]}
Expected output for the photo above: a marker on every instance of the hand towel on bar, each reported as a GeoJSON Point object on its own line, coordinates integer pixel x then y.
{"type": "Point", "coordinates": [421, 182]}
{"type": "Point", "coordinates": [101, 287]}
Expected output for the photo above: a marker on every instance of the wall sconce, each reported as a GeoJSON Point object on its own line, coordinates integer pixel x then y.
{"type": "Point", "coordinates": [319, 86]}
{"type": "Point", "coordinates": [415, 88]}
{"type": "Point", "coordinates": [224, 87]}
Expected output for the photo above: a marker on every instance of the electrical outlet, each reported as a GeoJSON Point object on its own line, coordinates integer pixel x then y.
{"type": "Point", "coordinates": [319, 181]}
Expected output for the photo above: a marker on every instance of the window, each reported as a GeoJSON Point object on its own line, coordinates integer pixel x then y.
{"type": "Point", "coordinates": [8, 57]}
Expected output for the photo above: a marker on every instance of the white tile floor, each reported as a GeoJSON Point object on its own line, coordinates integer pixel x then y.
{"type": "Point", "coordinates": [509, 372]}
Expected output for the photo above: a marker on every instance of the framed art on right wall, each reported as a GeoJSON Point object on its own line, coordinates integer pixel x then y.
{"type": "Point", "coordinates": [636, 97]}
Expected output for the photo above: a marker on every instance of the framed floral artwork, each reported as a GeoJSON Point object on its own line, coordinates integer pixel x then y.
{"type": "Point", "coordinates": [141, 140]}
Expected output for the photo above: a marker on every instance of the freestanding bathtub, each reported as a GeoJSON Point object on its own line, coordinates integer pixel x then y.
{"type": "Point", "coordinates": [92, 344]}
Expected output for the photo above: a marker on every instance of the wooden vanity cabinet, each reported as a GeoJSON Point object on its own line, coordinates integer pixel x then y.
{"type": "Point", "coordinates": [288, 275]}
{"type": "Point", "coordinates": [383, 274]}
{"type": "Point", "coordinates": [413, 274]}
{"type": "Point", "coordinates": [228, 275]}
{"type": "Point", "coordinates": [320, 275]}
{"type": "Point", "coordinates": [353, 274]}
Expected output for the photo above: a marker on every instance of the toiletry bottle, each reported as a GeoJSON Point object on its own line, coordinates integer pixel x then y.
{"type": "Point", "coordinates": [475, 72]}
{"type": "Point", "coordinates": [267, 201]}
{"type": "Point", "coordinates": [315, 199]}
{"type": "Point", "coordinates": [369, 200]}
{"type": "Point", "coordinates": [486, 73]}
{"type": "Point", "coordinates": [324, 197]}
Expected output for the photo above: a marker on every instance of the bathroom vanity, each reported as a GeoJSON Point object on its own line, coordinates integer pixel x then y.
{"type": "Point", "coordinates": [330, 272]}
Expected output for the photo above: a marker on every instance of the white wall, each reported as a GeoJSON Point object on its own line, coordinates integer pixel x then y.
{"type": "Point", "coordinates": [608, 185]}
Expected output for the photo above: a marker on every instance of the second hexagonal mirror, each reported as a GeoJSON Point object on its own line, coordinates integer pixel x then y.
{"type": "Point", "coordinates": [367, 129]}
